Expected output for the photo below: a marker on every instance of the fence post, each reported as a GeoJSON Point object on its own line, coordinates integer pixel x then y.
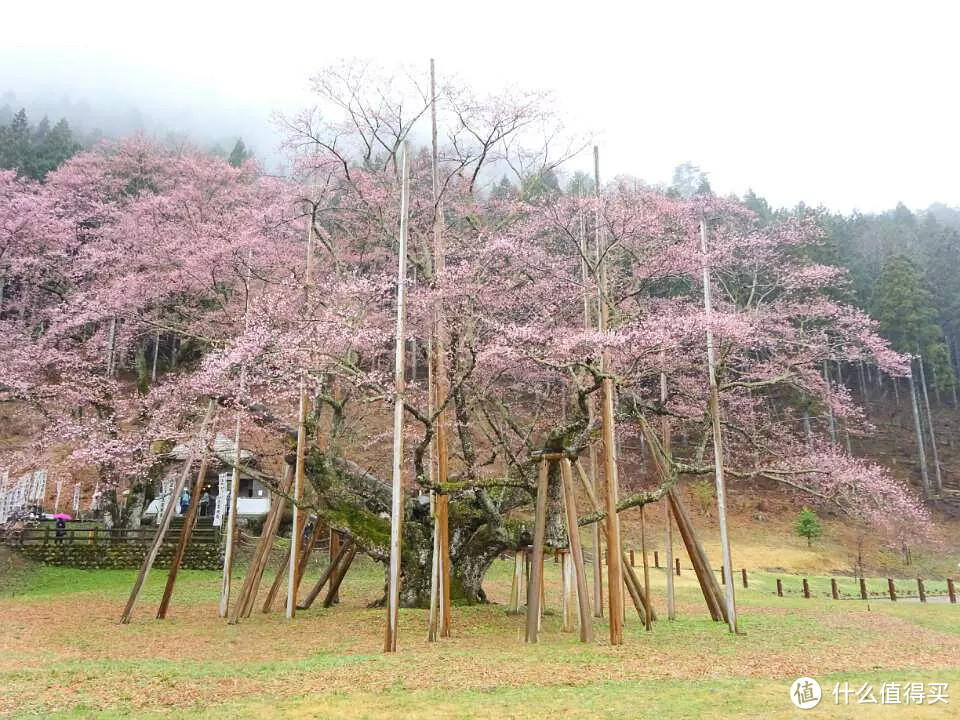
{"type": "Point", "coordinates": [723, 576]}
{"type": "Point", "coordinates": [833, 589]}
{"type": "Point", "coordinates": [806, 589]}
{"type": "Point", "coordinates": [656, 559]}
{"type": "Point", "coordinates": [891, 589]}
{"type": "Point", "coordinates": [631, 559]}
{"type": "Point", "coordinates": [743, 571]}
{"type": "Point", "coordinates": [863, 588]}
{"type": "Point", "coordinates": [920, 590]}
{"type": "Point", "coordinates": [779, 588]}
{"type": "Point", "coordinates": [46, 535]}
{"type": "Point", "coordinates": [951, 591]}
{"type": "Point", "coordinates": [678, 567]}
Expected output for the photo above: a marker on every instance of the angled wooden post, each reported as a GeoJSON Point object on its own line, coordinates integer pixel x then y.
{"type": "Point", "coordinates": [251, 581]}
{"type": "Point", "coordinates": [339, 573]}
{"type": "Point", "coordinates": [164, 525]}
{"type": "Point", "coordinates": [318, 586]}
{"type": "Point", "coordinates": [576, 551]}
{"type": "Point", "coordinates": [536, 560]}
{"type": "Point", "coordinates": [646, 573]}
{"type": "Point", "coordinates": [186, 532]}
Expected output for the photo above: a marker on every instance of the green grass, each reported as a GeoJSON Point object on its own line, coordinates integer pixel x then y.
{"type": "Point", "coordinates": [64, 655]}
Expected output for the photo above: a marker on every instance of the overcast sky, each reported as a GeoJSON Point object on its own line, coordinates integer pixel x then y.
{"type": "Point", "coordinates": [848, 104]}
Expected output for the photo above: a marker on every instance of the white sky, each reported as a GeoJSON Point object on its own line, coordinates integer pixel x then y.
{"type": "Point", "coordinates": [846, 103]}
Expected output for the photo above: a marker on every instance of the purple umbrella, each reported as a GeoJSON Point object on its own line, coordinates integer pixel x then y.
{"type": "Point", "coordinates": [62, 516]}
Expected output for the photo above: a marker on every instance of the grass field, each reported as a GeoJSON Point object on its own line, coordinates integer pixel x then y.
{"type": "Point", "coordinates": [63, 655]}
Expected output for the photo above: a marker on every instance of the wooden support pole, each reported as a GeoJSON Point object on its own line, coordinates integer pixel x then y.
{"type": "Point", "coordinates": [648, 619]}
{"type": "Point", "coordinates": [833, 589]}
{"type": "Point", "coordinates": [566, 589]}
{"type": "Point", "coordinates": [309, 543]}
{"type": "Point", "coordinates": [678, 567]}
{"type": "Point", "coordinates": [806, 589]}
{"type": "Point", "coordinates": [231, 528]}
{"type": "Point", "coordinates": [698, 559]}
{"type": "Point", "coordinates": [186, 532]}
{"type": "Point", "coordinates": [163, 526]}
{"type": "Point", "coordinates": [398, 494]}
{"type": "Point", "coordinates": [723, 576]}
{"type": "Point", "coordinates": [863, 588]}
{"type": "Point", "coordinates": [336, 579]}
{"type": "Point", "coordinates": [920, 590]}
{"type": "Point", "coordinates": [576, 551]}
{"type": "Point", "coordinates": [656, 560]}
{"type": "Point", "coordinates": [951, 591]}
{"type": "Point", "coordinates": [631, 581]}
{"type": "Point", "coordinates": [516, 587]}
{"type": "Point", "coordinates": [536, 561]}
{"type": "Point", "coordinates": [779, 587]}
{"type": "Point", "coordinates": [298, 483]}
{"type": "Point", "coordinates": [891, 589]}
{"type": "Point", "coordinates": [277, 580]}
{"type": "Point", "coordinates": [731, 607]}
{"type": "Point", "coordinates": [743, 572]}
{"type": "Point", "coordinates": [251, 582]}
{"type": "Point", "coordinates": [318, 586]}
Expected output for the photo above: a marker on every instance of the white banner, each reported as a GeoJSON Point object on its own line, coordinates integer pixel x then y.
{"type": "Point", "coordinates": [56, 501]}
{"type": "Point", "coordinates": [39, 487]}
{"type": "Point", "coordinates": [223, 491]}
{"type": "Point", "coordinates": [95, 498]}
{"type": "Point", "coordinates": [76, 498]}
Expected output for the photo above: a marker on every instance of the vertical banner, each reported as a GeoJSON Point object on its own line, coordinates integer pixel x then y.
{"type": "Point", "coordinates": [4, 496]}
{"type": "Point", "coordinates": [223, 490]}
{"type": "Point", "coordinates": [56, 500]}
{"type": "Point", "coordinates": [95, 498]}
{"type": "Point", "coordinates": [166, 496]}
{"type": "Point", "coordinates": [76, 498]}
{"type": "Point", "coordinates": [39, 487]}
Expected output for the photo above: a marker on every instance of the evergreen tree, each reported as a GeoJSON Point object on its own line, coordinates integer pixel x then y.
{"type": "Point", "coordinates": [239, 155]}
{"type": "Point", "coordinates": [907, 313]}
{"type": "Point", "coordinates": [808, 525]}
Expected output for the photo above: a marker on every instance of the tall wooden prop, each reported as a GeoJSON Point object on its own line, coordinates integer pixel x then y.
{"type": "Point", "coordinates": [717, 436]}
{"type": "Point", "coordinates": [614, 562]}
{"type": "Point", "coordinates": [251, 581]}
{"type": "Point", "coordinates": [933, 436]}
{"type": "Point", "coordinates": [298, 482]}
{"type": "Point", "coordinates": [168, 511]}
{"type": "Point", "coordinates": [534, 587]}
{"type": "Point", "coordinates": [668, 522]}
{"type": "Point", "coordinates": [296, 528]}
{"type": "Point", "coordinates": [918, 429]}
{"type": "Point", "coordinates": [588, 324]}
{"type": "Point", "coordinates": [189, 520]}
{"type": "Point", "coordinates": [231, 510]}
{"type": "Point", "coordinates": [440, 615]}
{"type": "Point", "coordinates": [576, 551]}
{"type": "Point", "coordinates": [396, 508]}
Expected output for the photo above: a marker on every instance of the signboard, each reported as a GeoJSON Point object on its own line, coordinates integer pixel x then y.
{"type": "Point", "coordinates": [223, 490]}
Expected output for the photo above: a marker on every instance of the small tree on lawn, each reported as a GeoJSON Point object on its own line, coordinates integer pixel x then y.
{"type": "Point", "coordinates": [808, 525]}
